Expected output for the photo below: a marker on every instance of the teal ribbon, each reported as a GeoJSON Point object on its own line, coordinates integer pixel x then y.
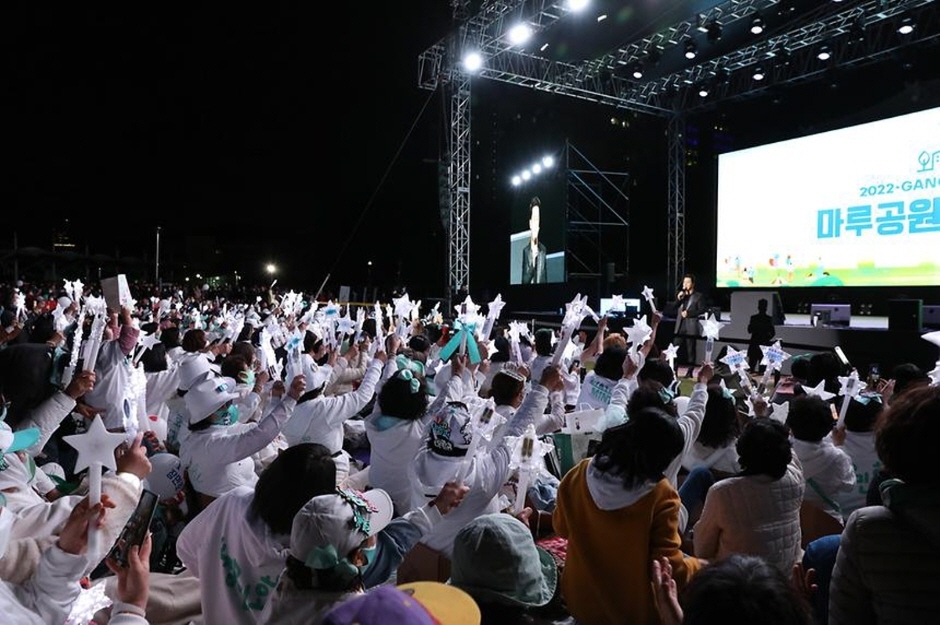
{"type": "Point", "coordinates": [666, 395]}
{"type": "Point", "coordinates": [726, 393]}
{"type": "Point", "coordinates": [322, 557]}
{"type": "Point", "coordinates": [452, 345]}
{"type": "Point", "coordinates": [406, 374]}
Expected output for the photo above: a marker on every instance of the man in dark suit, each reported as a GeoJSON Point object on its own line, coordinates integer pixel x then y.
{"type": "Point", "coordinates": [689, 305]}
{"type": "Point", "coordinates": [533, 256]}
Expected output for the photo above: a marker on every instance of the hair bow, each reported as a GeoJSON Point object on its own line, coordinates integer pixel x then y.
{"type": "Point", "coordinates": [406, 374]}
{"type": "Point", "coordinates": [865, 399]}
{"type": "Point", "coordinates": [666, 395]}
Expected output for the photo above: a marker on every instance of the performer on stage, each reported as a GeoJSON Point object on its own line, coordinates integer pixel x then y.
{"type": "Point", "coordinates": [689, 305]}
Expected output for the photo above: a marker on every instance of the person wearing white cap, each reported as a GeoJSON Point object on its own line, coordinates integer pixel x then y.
{"type": "Point", "coordinates": [320, 419]}
{"type": "Point", "coordinates": [217, 453]}
{"type": "Point", "coordinates": [344, 543]}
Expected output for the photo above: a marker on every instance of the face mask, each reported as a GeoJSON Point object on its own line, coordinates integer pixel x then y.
{"type": "Point", "coordinates": [225, 416]}
{"type": "Point", "coordinates": [369, 554]}
{"type": "Point", "coordinates": [248, 377]}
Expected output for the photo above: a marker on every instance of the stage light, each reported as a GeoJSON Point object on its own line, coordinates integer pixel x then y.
{"type": "Point", "coordinates": [527, 175]}
{"type": "Point", "coordinates": [703, 91]}
{"type": "Point", "coordinates": [472, 61]}
{"type": "Point", "coordinates": [519, 34]}
{"type": "Point", "coordinates": [758, 73]}
{"type": "Point", "coordinates": [544, 47]}
{"type": "Point", "coordinates": [906, 27]}
{"type": "Point", "coordinates": [636, 70]}
{"type": "Point", "coordinates": [757, 24]}
{"type": "Point", "coordinates": [548, 161]}
{"type": "Point", "coordinates": [516, 180]}
{"type": "Point", "coordinates": [690, 49]}
{"type": "Point", "coordinates": [577, 5]}
{"type": "Point", "coordinates": [714, 32]}
{"type": "Point", "coordinates": [613, 121]}
{"type": "Point", "coordinates": [825, 52]}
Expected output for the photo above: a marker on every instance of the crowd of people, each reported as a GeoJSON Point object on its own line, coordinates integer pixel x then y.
{"type": "Point", "coordinates": [316, 464]}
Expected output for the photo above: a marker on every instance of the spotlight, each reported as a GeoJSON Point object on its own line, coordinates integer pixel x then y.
{"type": "Point", "coordinates": [825, 52]}
{"type": "Point", "coordinates": [473, 61]}
{"type": "Point", "coordinates": [714, 32]}
{"type": "Point", "coordinates": [906, 27]}
{"type": "Point", "coordinates": [636, 70]}
{"type": "Point", "coordinates": [703, 91]}
{"type": "Point", "coordinates": [757, 24]}
{"type": "Point", "coordinates": [519, 34]}
{"type": "Point", "coordinates": [758, 73]}
{"type": "Point", "coordinates": [690, 49]}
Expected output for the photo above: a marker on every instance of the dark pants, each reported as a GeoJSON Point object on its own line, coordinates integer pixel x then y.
{"type": "Point", "coordinates": [686, 339]}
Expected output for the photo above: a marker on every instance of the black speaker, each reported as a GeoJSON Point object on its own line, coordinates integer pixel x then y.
{"type": "Point", "coordinates": [905, 314]}
{"type": "Point", "coordinates": [610, 272]}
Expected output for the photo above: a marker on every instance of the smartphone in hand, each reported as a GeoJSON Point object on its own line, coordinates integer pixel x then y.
{"type": "Point", "coordinates": [136, 528]}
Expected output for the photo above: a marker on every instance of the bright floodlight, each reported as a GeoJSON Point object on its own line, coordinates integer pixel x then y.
{"type": "Point", "coordinates": [548, 161]}
{"type": "Point", "coordinates": [578, 5]}
{"type": "Point", "coordinates": [271, 268]}
{"type": "Point", "coordinates": [519, 34]}
{"type": "Point", "coordinates": [516, 180]}
{"type": "Point", "coordinates": [526, 175]}
{"type": "Point", "coordinates": [472, 61]}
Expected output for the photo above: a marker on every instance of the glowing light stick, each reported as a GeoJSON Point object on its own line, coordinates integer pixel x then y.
{"type": "Point", "coordinates": [526, 459]}
{"type": "Point", "coordinates": [492, 314]}
{"type": "Point", "coordinates": [648, 296]}
{"type": "Point", "coordinates": [773, 360]}
{"type": "Point", "coordinates": [95, 451]}
{"type": "Point", "coordinates": [710, 329]}
{"type": "Point", "coordinates": [484, 422]}
{"type": "Point", "coordinates": [849, 389]}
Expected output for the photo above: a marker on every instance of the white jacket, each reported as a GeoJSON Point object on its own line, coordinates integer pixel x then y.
{"type": "Point", "coordinates": [236, 558]}
{"type": "Point", "coordinates": [828, 472]}
{"type": "Point", "coordinates": [47, 597]}
{"type": "Point", "coordinates": [219, 458]}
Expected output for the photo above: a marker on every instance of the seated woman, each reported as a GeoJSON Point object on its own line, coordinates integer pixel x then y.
{"type": "Point", "coordinates": [217, 455]}
{"type": "Point", "coordinates": [619, 512]}
{"type": "Point", "coordinates": [756, 512]}
{"type": "Point", "coordinates": [888, 565]}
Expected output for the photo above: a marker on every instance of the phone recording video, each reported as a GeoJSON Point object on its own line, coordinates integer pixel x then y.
{"type": "Point", "coordinates": [136, 528]}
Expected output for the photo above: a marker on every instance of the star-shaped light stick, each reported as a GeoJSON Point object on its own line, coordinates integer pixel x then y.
{"type": "Point", "coordinates": [97, 307]}
{"type": "Point", "coordinates": [737, 361]}
{"type": "Point", "coordinates": [773, 360]}
{"type": "Point", "coordinates": [360, 319]}
{"type": "Point", "coordinates": [144, 343]}
{"type": "Point", "coordinates": [527, 459]}
{"type": "Point", "coordinates": [850, 388]}
{"type": "Point", "coordinates": [819, 391]}
{"type": "Point", "coordinates": [648, 296]}
{"type": "Point", "coordinates": [618, 303]}
{"type": "Point", "coordinates": [670, 355]}
{"type": "Point", "coordinates": [710, 329]}
{"type": "Point", "coordinates": [575, 312]}
{"type": "Point", "coordinates": [492, 314]}
{"type": "Point", "coordinates": [95, 451]}
{"type": "Point", "coordinates": [637, 334]}
{"type": "Point", "coordinates": [517, 329]}
{"type": "Point", "coordinates": [379, 330]}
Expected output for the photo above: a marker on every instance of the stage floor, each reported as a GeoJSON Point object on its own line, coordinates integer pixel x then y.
{"type": "Point", "coordinates": [803, 321]}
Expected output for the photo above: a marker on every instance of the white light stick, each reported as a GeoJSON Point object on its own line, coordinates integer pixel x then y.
{"type": "Point", "coordinates": [360, 319]}
{"type": "Point", "coordinates": [851, 386]}
{"type": "Point", "coordinates": [526, 459]}
{"type": "Point", "coordinates": [710, 329]}
{"type": "Point", "coordinates": [294, 348]}
{"type": "Point", "coordinates": [145, 342]}
{"type": "Point", "coordinates": [482, 425]}
{"type": "Point", "coordinates": [737, 361]}
{"type": "Point", "coordinates": [516, 330]}
{"type": "Point", "coordinates": [670, 355]}
{"type": "Point", "coordinates": [379, 333]}
{"type": "Point", "coordinates": [95, 451]}
{"type": "Point", "coordinates": [492, 314]}
{"type": "Point", "coordinates": [574, 314]}
{"type": "Point", "coordinates": [638, 334]}
{"type": "Point", "coordinates": [99, 309]}
{"type": "Point", "coordinates": [69, 372]}
{"type": "Point", "coordinates": [648, 295]}
{"type": "Point", "coordinates": [773, 360]}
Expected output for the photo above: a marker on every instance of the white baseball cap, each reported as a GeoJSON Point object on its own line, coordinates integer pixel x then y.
{"type": "Point", "coordinates": [341, 520]}
{"type": "Point", "coordinates": [209, 395]}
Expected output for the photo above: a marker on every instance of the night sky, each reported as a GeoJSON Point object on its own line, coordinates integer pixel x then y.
{"type": "Point", "coordinates": [299, 135]}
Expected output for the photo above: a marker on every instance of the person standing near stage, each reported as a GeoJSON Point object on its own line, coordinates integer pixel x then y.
{"type": "Point", "coordinates": [689, 305]}
{"type": "Point", "coordinates": [762, 331]}
{"type": "Point", "coordinates": [533, 255]}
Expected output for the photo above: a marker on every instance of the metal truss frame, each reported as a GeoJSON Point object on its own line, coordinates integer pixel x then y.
{"type": "Point", "coordinates": [859, 32]}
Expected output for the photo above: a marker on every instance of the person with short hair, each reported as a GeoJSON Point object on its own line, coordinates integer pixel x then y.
{"type": "Point", "coordinates": [888, 565]}
{"type": "Point", "coordinates": [757, 511]}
